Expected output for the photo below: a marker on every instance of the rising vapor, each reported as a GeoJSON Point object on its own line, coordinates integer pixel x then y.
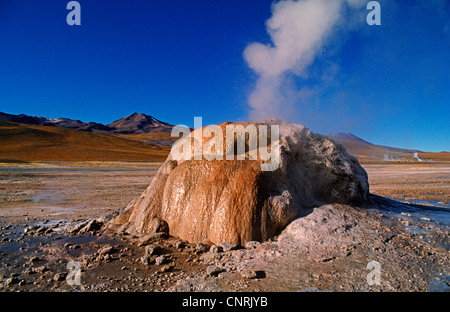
{"type": "Point", "coordinates": [298, 30]}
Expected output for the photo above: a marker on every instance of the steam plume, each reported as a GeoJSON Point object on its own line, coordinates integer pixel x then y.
{"type": "Point", "coordinates": [416, 156]}
{"type": "Point", "coordinates": [298, 30]}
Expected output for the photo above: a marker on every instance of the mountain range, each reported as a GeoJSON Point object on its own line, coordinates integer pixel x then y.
{"type": "Point", "coordinates": [137, 137]}
{"type": "Point", "coordinates": [132, 124]}
{"type": "Point", "coordinates": [363, 149]}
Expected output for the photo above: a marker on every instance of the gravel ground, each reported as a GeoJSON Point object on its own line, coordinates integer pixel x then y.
{"type": "Point", "coordinates": [52, 231]}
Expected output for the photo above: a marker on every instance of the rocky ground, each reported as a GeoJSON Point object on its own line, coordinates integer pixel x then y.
{"type": "Point", "coordinates": [333, 248]}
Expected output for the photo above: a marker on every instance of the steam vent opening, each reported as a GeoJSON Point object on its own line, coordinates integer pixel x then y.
{"type": "Point", "coordinates": [235, 200]}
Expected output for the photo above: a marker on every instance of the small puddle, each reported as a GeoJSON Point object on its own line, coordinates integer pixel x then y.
{"type": "Point", "coordinates": [426, 219]}
{"type": "Point", "coordinates": [440, 284]}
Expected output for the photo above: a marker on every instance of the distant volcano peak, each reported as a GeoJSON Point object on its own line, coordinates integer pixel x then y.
{"type": "Point", "coordinates": [139, 123]}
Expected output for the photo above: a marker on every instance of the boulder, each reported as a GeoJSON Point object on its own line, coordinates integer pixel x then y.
{"type": "Point", "coordinates": [107, 250]}
{"type": "Point", "coordinates": [162, 259]}
{"type": "Point", "coordinates": [202, 247]}
{"type": "Point", "coordinates": [151, 250]}
{"type": "Point", "coordinates": [227, 246]}
{"type": "Point", "coordinates": [236, 201]}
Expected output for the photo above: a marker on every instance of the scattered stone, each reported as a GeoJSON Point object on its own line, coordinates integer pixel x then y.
{"type": "Point", "coordinates": [92, 227]}
{"type": "Point", "coordinates": [27, 271]}
{"type": "Point", "coordinates": [41, 269]}
{"type": "Point", "coordinates": [166, 268]}
{"type": "Point", "coordinates": [107, 250]}
{"type": "Point", "coordinates": [201, 247]}
{"type": "Point", "coordinates": [34, 259]}
{"type": "Point", "coordinates": [212, 270]}
{"type": "Point", "coordinates": [22, 283]}
{"type": "Point", "coordinates": [248, 273]}
{"type": "Point", "coordinates": [58, 277]}
{"type": "Point", "coordinates": [145, 260]}
{"type": "Point", "coordinates": [41, 230]}
{"type": "Point", "coordinates": [152, 250]}
{"type": "Point", "coordinates": [314, 289]}
{"type": "Point", "coordinates": [12, 280]}
{"type": "Point", "coordinates": [75, 228]}
{"type": "Point", "coordinates": [150, 238]}
{"type": "Point", "coordinates": [178, 244]}
{"type": "Point", "coordinates": [71, 246]}
{"type": "Point", "coordinates": [252, 244]}
{"type": "Point", "coordinates": [215, 249]}
{"type": "Point", "coordinates": [161, 259]}
{"type": "Point", "coordinates": [103, 257]}
{"type": "Point", "coordinates": [210, 257]}
{"type": "Point", "coordinates": [227, 246]}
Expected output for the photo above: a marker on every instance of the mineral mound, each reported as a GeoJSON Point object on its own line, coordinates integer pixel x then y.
{"type": "Point", "coordinates": [235, 201]}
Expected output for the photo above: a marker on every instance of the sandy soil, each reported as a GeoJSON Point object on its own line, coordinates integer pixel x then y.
{"type": "Point", "coordinates": [69, 192]}
{"type": "Point", "coordinates": [412, 182]}
{"type": "Point", "coordinates": [39, 205]}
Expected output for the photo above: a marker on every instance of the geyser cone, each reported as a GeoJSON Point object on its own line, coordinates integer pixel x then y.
{"type": "Point", "coordinates": [234, 200]}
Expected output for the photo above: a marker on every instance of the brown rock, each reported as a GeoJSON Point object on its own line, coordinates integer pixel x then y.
{"type": "Point", "coordinates": [212, 270]}
{"type": "Point", "coordinates": [201, 247]}
{"type": "Point", "coordinates": [59, 277]}
{"type": "Point", "coordinates": [235, 201]}
{"type": "Point", "coordinates": [107, 250]}
{"type": "Point", "coordinates": [227, 246]}
{"type": "Point", "coordinates": [145, 260]}
{"type": "Point", "coordinates": [152, 250]}
{"type": "Point", "coordinates": [215, 249]}
{"type": "Point", "coordinates": [161, 259]}
{"type": "Point", "coordinates": [34, 259]}
{"type": "Point", "coordinates": [11, 280]}
{"type": "Point", "coordinates": [41, 269]}
{"type": "Point", "coordinates": [252, 244]}
{"type": "Point", "coordinates": [166, 268]}
{"type": "Point", "coordinates": [247, 273]}
{"type": "Point", "coordinates": [150, 238]}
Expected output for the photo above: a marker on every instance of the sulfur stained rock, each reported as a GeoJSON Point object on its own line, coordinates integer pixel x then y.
{"type": "Point", "coordinates": [235, 201]}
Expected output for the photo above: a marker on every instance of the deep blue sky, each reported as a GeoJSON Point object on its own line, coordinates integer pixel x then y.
{"type": "Point", "coordinates": [176, 59]}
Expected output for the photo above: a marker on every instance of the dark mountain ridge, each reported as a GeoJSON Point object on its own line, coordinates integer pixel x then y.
{"type": "Point", "coordinates": [132, 124]}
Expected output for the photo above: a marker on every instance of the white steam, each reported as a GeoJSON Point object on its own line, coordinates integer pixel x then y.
{"type": "Point", "coordinates": [416, 156]}
{"type": "Point", "coordinates": [298, 30]}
